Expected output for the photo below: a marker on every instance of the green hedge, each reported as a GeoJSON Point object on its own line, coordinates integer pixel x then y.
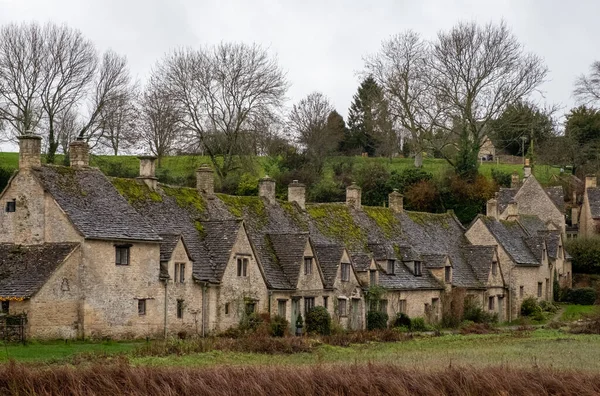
{"type": "Point", "coordinates": [377, 320]}
{"type": "Point", "coordinates": [318, 321]}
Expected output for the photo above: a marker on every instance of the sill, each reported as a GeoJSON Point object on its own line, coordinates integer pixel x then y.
{"type": "Point", "coordinates": [122, 265]}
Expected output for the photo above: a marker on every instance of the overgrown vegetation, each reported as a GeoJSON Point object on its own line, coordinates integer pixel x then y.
{"type": "Point", "coordinates": [318, 321]}
{"type": "Point", "coordinates": [585, 253]}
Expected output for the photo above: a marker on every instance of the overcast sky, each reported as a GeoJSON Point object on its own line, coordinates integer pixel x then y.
{"type": "Point", "coordinates": [320, 43]}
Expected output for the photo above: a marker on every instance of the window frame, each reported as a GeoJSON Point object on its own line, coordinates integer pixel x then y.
{"type": "Point", "coordinates": [342, 307]}
{"type": "Point", "coordinates": [521, 291]}
{"type": "Point", "coordinates": [326, 302]}
{"type": "Point", "coordinates": [226, 308]}
{"type": "Point", "coordinates": [119, 256]}
{"type": "Point", "coordinates": [309, 304]}
{"type": "Point", "coordinates": [11, 206]}
{"type": "Point", "coordinates": [494, 267]}
{"type": "Point", "coordinates": [308, 264]}
{"type": "Point", "coordinates": [448, 274]}
{"type": "Point", "coordinates": [372, 277]}
{"type": "Point", "coordinates": [180, 309]}
{"type": "Point", "coordinates": [418, 268]}
{"type": "Point", "coordinates": [345, 269]}
{"type": "Point", "coordinates": [491, 303]}
{"type": "Point", "coordinates": [142, 306]}
{"type": "Point", "coordinates": [391, 266]}
{"type": "Point", "coordinates": [242, 266]}
{"type": "Point", "coordinates": [5, 307]}
{"type": "Point", "coordinates": [540, 289]}
{"type": "Point", "coordinates": [282, 308]}
{"type": "Point", "coordinates": [402, 306]}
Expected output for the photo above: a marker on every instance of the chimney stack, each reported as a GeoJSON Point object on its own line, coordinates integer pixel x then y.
{"type": "Point", "coordinates": [30, 149]}
{"type": "Point", "coordinates": [514, 180]}
{"type": "Point", "coordinates": [513, 210]}
{"type": "Point", "coordinates": [396, 201]}
{"type": "Point", "coordinates": [590, 181]}
{"type": "Point", "coordinates": [205, 180]}
{"type": "Point", "coordinates": [266, 189]}
{"type": "Point", "coordinates": [353, 196]}
{"type": "Point", "coordinates": [492, 208]}
{"type": "Point", "coordinates": [526, 169]}
{"type": "Point", "coordinates": [148, 171]}
{"type": "Point", "coordinates": [297, 193]}
{"type": "Point", "coordinates": [79, 156]}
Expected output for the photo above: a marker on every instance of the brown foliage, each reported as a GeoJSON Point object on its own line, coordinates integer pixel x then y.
{"type": "Point", "coordinates": [589, 325]}
{"type": "Point", "coordinates": [363, 337]}
{"type": "Point", "coordinates": [422, 197]}
{"type": "Point", "coordinates": [478, 328]}
{"type": "Point", "coordinates": [118, 379]}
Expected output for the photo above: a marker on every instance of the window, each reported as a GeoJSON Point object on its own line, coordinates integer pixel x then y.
{"type": "Point", "coordinates": [309, 303]}
{"type": "Point", "coordinates": [402, 306]}
{"type": "Point", "coordinates": [521, 291]}
{"type": "Point", "coordinates": [417, 268]}
{"type": "Point", "coordinates": [141, 307]}
{"type": "Point", "coordinates": [390, 266]}
{"type": "Point", "coordinates": [342, 307]}
{"type": "Point", "coordinates": [373, 277]}
{"type": "Point", "coordinates": [179, 309]}
{"type": "Point", "coordinates": [179, 272]}
{"type": "Point", "coordinates": [448, 275]}
{"type": "Point", "coordinates": [242, 267]}
{"type": "Point", "coordinates": [281, 307]}
{"type": "Point", "coordinates": [491, 301]}
{"type": "Point", "coordinates": [325, 301]}
{"type": "Point", "coordinates": [494, 268]}
{"type": "Point", "coordinates": [5, 307]}
{"type": "Point", "coordinates": [307, 265]}
{"type": "Point", "coordinates": [539, 289]}
{"type": "Point", "coordinates": [11, 206]}
{"type": "Point", "coordinates": [345, 272]}
{"type": "Point", "coordinates": [383, 306]}
{"type": "Point", "coordinates": [122, 254]}
{"type": "Point", "coordinates": [226, 308]}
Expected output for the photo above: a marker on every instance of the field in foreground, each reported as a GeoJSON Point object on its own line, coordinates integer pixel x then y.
{"type": "Point", "coordinates": [326, 380]}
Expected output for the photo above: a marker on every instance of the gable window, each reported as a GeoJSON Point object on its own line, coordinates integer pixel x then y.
{"type": "Point", "coordinates": [307, 265]}
{"type": "Point", "coordinates": [309, 303]}
{"type": "Point", "coordinates": [281, 307]}
{"type": "Point", "coordinates": [142, 306]}
{"type": "Point", "coordinates": [491, 301]}
{"type": "Point", "coordinates": [417, 268]}
{"type": "Point", "coordinates": [390, 266]}
{"type": "Point", "coordinates": [521, 291]}
{"type": "Point", "coordinates": [5, 307]}
{"type": "Point", "coordinates": [342, 307]}
{"type": "Point", "coordinates": [11, 206]}
{"type": "Point", "coordinates": [122, 254]}
{"type": "Point", "coordinates": [179, 272]}
{"type": "Point", "coordinates": [179, 309]}
{"type": "Point", "coordinates": [494, 268]}
{"type": "Point", "coordinates": [345, 272]}
{"type": "Point", "coordinates": [242, 266]}
{"type": "Point", "coordinates": [325, 301]}
{"type": "Point", "coordinates": [226, 308]}
{"type": "Point", "coordinates": [372, 277]}
{"type": "Point", "coordinates": [539, 289]}
{"type": "Point", "coordinates": [448, 274]}
{"type": "Point", "coordinates": [402, 306]}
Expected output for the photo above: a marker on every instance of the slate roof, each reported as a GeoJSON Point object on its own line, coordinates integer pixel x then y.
{"type": "Point", "coordinates": [593, 194]}
{"type": "Point", "coordinates": [557, 195]}
{"type": "Point", "coordinates": [167, 245]}
{"type": "Point", "coordinates": [217, 246]}
{"type": "Point", "coordinates": [511, 236]}
{"type": "Point", "coordinates": [93, 204]}
{"type": "Point", "coordinates": [479, 258]}
{"type": "Point", "coordinates": [329, 257]}
{"type": "Point", "coordinates": [505, 195]}
{"type": "Point", "coordinates": [434, 260]}
{"type": "Point", "coordinates": [536, 246]}
{"type": "Point", "coordinates": [532, 224]}
{"type": "Point", "coordinates": [361, 261]}
{"type": "Point", "coordinates": [552, 238]}
{"type": "Point", "coordinates": [289, 249]}
{"type": "Point", "coordinates": [403, 279]}
{"type": "Point", "coordinates": [25, 269]}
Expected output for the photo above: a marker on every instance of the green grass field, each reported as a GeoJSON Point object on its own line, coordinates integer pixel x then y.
{"type": "Point", "coordinates": [575, 312]}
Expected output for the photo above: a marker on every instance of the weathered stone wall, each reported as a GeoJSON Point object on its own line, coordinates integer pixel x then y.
{"type": "Point", "coordinates": [587, 225]}
{"type": "Point", "coordinates": [415, 303]}
{"type": "Point", "coordinates": [349, 290]}
{"type": "Point", "coordinates": [309, 284]}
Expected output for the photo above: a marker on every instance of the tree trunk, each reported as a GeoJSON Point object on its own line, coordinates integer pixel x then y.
{"type": "Point", "coordinates": [419, 159]}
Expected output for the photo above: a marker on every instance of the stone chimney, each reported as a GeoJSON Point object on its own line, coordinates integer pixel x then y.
{"type": "Point", "coordinates": [574, 216]}
{"type": "Point", "coordinates": [30, 149]}
{"type": "Point", "coordinates": [590, 181]}
{"type": "Point", "coordinates": [297, 193]}
{"type": "Point", "coordinates": [513, 210]}
{"type": "Point", "coordinates": [266, 189]}
{"type": "Point", "coordinates": [205, 180]}
{"type": "Point", "coordinates": [514, 180]}
{"type": "Point", "coordinates": [353, 196]}
{"type": "Point", "coordinates": [491, 209]}
{"type": "Point", "coordinates": [148, 171]}
{"type": "Point", "coordinates": [79, 155]}
{"type": "Point", "coordinates": [526, 169]}
{"type": "Point", "coordinates": [396, 201]}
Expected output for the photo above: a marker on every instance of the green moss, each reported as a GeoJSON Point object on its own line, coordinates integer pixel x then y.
{"type": "Point", "coordinates": [250, 206]}
{"type": "Point", "coordinates": [186, 197]}
{"type": "Point", "coordinates": [424, 218]}
{"type": "Point", "coordinates": [134, 191]}
{"type": "Point", "coordinates": [335, 221]}
{"type": "Point", "coordinates": [200, 228]}
{"type": "Point", "coordinates": [384, 218]}
{"type": "Point", "coordinates": [292, 210]}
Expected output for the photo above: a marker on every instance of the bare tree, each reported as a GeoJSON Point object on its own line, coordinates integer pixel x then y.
{"type": "Point", "coordinates": [117, 122]}
{"type": "Point", "coordinates": [22, 55]}
{"type": "Point", "coordinates": [66, 126]}
{"type": "Point", "coordinates": [223, 91]}
{"type": "Point", "coordinates": [587, 87]}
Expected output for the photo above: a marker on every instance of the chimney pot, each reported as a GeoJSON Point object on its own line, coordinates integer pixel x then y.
{"type": "Point", "coordinates": [353, 196]}
{"type": "Point", "coordinates": [297, 193]}
{"type": "Point", "coordinates": [30, 149]}
{"type": "Point", "coordinates": [205, 180]}
{"type": "Point", "coordinates": [266, 189]}
{"type": "Point", "coordinates": [148, 171]}
{"type": "Point", "coordinates": [79, 155]}
{"type": "Point", "coordinates": [396, 201]}
{"type": "Point", "coordinates": [492, 208]}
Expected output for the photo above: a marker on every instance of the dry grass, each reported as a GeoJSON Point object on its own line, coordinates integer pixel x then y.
{"type": "Point", "coordinates": [478, 328]}
{"type": "Point", "coordinates": [117, 379]}
{"type": "Point", "coordinates": [590, 324]}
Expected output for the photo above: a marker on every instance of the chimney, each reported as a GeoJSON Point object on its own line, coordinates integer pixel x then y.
{"type": "Point", "coordinates": [266, 189]}
{"type": "Point", "coordinates": [297, 193]}
{"type": "Point", "coordinates": [148, 171]}
{"type": "Point", "coordinates": [396, 201]}
{"type": "Point", "coordinates": [513, 210]}
{"type": "Point", "coordinates": [526, 169]}
{"type": "Point", "coordinates": [353, 195]}
{"type": "Point", "coordinates": [205, 180]}
{"type": "Point", "coordinates": [79, 154]}
{"type": "Point", "coordinates": [492, 208]}
{"type": "Point", "coordinates": [590, 181]}
{"type": "Point", "coordinates": [514, 180]}
{"type": "Point", "coordinates": [30, 149]}
{"type": "Point", "coordinates": [574, 216]}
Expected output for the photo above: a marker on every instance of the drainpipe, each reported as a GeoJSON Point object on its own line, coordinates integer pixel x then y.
{"type": "Point", "coordinates": [204, 288]}
{"type": "Point", "coordinates": [270, 297]}
{"type": "Point", "coordinates": [510, 294]}
{"type": "Point", "coordinates": [166, 308]}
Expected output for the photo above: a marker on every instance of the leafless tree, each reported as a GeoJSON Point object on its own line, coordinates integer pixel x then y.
{"type": "Point", "coordinates": [22, 55]}
{"type": "Point", "coordinates": [587, 87]}
{"type": "Point", "coordinates": [308, 123]}
{"type": "Point", "coordinates": [66, 127]}
{"type": "Point", "coordinates": [117, 123]}
{"type": "Point", "coordinates": [223, 91]}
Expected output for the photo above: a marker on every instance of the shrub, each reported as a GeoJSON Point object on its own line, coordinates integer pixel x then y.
{"type": "Point", "coordinates": [5, 175]}
{"type": "Point", "coordinates": [530, 307]}
{"type": "Point", "coordinates": [586, 254]}
{"type": "Point", "coordinates": [250, 322]}
{"type": "Point", "coordinates": [377, 320]}
{"type": "Point", "coordinates": [318, 321]}
{"type": "Point", "coordinates": [418, 324]}
{"type": "Point", "coordinates": [402, 320]}
{"type": "Point", "coordinates": [581, 296]}
{"type": "Point", "coordinates": [548, 306]}
{"type": "Point", "coordinates": [279, 326]}
{"type": "Point", "coordinates": [474, 313]}
{"type": "Point", "coordinates": [477, 328]}
{"type": "Point", "coordinates": [502, 179]}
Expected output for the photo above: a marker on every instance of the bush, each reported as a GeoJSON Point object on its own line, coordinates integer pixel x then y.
{"type": "Point", "coordinates": [418, 324]}
{"type": "Point", "coordinates": [402, 320]}
{"type": "Point", "coordinates": [250, 322]}
{"type": "Point", "coordinates": [318, 321]}
{"type": "Point", "coordinates": [586, 254]}
{"type": "Point", "coordinates": [279, 326]}
{"type": "Point", "coordinates": [474, 313]}
{"type": "Point", "coordinates": [548, 306]}
{"type": "Point", "coordinates": [5, 175]}
{"type": "Point", "coordinates": [377, 320]}
{"type": "Point", "coordinates": [581, 296]}
{"type": "Point", "coordinates": [530, 307]}
{"type": "Point", "coordinates": [502, 179]}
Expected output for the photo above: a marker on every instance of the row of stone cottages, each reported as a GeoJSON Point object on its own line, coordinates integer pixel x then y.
{"type": "Point", "coordinates": [83, 255]}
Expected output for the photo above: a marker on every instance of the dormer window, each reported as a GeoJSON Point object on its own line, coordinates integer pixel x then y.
{"type": "Point", "coordinates": [391, 264]}
{"type": "Point", "coordinates": [448, 274]}
{"type": "Point", "coordinates": [11, 206]}
{"type": "Point", "coordinates": [372, 277]}
{"type": "Point", "coordinates": [494, 267]}
{"type": "Point", "coordinates": [307, 265]}
{"type": "Point", "coordinates": [417, 268]}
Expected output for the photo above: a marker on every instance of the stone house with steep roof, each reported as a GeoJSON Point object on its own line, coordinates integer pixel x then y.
{"type": "Point", "coordinates": [589, 218]}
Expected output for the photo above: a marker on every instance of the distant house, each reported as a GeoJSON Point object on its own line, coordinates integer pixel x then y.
{"type": "Point", "coordinates": [589, 219]}
{"type": "Point", "coordinates": [487, 151]}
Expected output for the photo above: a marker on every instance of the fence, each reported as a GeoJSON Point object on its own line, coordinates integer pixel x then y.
{"type": "Point", "coordinates": [12, 328]}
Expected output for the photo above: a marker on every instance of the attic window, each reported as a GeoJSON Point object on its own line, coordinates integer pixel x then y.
{"type": "Point", "coordinates": [494, 267]}
{"type": "Point", "coordinates": [122, 254]}
{"type": "Point", "coordinates": [11, 206]}
{"type": "Point", "coordinates": [418, 268]}
{"type": "Point", "coordinates": [345, 272]}
{"type": "Point", "coordinates": [242, 267]}
{"type": "Point", "coordinates": [390, 266]}
{"type": "Point", "coordinates": [448, 274]}
{"type": "Point", "coordinates": [307, 265]}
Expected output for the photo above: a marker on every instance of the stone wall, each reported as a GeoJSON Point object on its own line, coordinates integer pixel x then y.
{"type": "Point", "coordinates": [349, 290]}
{"type": "Point", "coordinates": [415, 303]}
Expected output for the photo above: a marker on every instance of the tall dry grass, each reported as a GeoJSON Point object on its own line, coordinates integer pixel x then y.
{"type": "Point", "coordinates": [118, 379]}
